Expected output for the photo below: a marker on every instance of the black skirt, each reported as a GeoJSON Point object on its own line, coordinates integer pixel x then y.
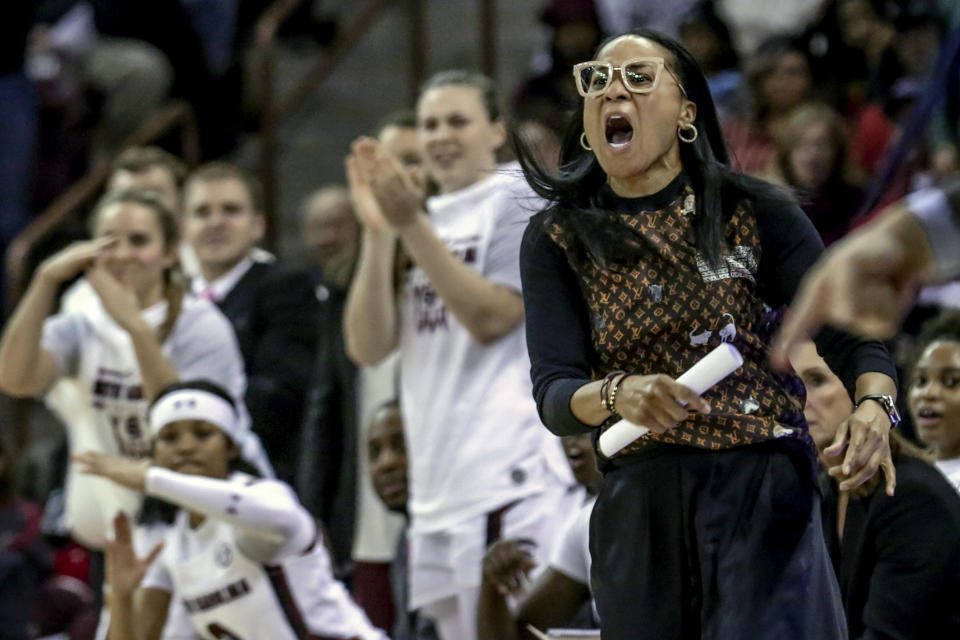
{"type": "Point", "coordinates": [716, 545]}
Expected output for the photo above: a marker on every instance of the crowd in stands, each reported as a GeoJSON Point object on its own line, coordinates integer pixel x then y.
{"type": "Point", "coordinates": [382, 373]}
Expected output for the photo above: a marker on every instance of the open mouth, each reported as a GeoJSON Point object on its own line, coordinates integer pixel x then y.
{"type": "Point", "coordinates": [618, 131]}
{"type": "Point", "coordinates": [445, 157]}
{"type": "Point", "coordinates": [925, 413]}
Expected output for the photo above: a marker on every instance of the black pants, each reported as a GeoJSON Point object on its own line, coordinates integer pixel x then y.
{"type": "Point", "coordinates": [713, 545]}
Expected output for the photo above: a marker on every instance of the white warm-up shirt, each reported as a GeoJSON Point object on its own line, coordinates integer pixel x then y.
{"type": "Point", "coordinates": [233, 580]}
{"type": "Point", "coordinates": [110, 414]}
{"type": "Point", "coordinates": [951, 469]}
{"type": "Point", "coordinates": [474, 439]}
{"type": "Point", "coordinates": [571, 556]}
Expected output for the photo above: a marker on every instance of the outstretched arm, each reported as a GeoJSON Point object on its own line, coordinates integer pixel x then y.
{"type": "Point", "coordinates": [866, 282]}
{"type": "Point", "coordinates": [270, 522]}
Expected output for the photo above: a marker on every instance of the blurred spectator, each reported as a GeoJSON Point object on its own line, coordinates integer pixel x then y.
{"type": "Point", "coordinates": [24, 559]}
{"type": "Point", "coordinates": [387, 453]}
{"type": "Point", "coordinates": [812, 158]}
{"type": "Point", "coordinates": [149, 168]}
{"type": "Point", "coordinates": [869, 37]}
{"type": "Point", "coordinates": [18, 126]}
{"type": "Point", "coordinates": [934, 392]}
{"type": "Point", "coordinates": [273, 309]}
{"type": "Point", "coordinates": [326, 473]}
{"type": "Point", "coordinates": [620, 16]}
{"type": "Point", "coordinates": [897, 557]}
{"type": "Point", "coordinates": [214, 93]}
{"type": "Point", "coordinates": [753, 23]}
{"type": "Point", "coordinates": [707, 37]}
{"type": "Point", "coordinates": [550, 97]}
{"type": "Point", "coordinates": [78, 51]}
{"type": "Point", "coordinates": [331, 235]}
{"type": "Point", "coordinates": [779, 80]}
{"type": "Point", "coordinates": [64, 610]}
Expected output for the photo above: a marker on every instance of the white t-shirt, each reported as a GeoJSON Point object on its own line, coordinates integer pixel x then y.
{"type": "Point", "coordinates": [474, 439]}
{"type": "Point", "coordinates": [377, 529]}
{"type": "Point", "coordinates": [951, 469]}
{"type": "Point", "coordinates": [227, 594]}
{"type": "Point", "coordinates": [110, 413]}
{"type": "Point", "coordinates": [571, 556]}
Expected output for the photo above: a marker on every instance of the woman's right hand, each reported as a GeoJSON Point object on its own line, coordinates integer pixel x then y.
{"type": "Point", "coordinates": [657, 401]}
{"type": "Point", "coordinates": [124, 570]}
{"type": "Point", "coordinates": [68, 262]}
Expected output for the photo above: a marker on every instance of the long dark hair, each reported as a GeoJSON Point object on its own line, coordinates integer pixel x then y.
{"type": "Point", "coordinates": [573, 193]}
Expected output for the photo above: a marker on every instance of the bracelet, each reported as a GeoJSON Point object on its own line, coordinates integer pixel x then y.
{"type": "Point", "coordinates": [605, 388]}
{"type": "Point", "coordinates": [612, 403]}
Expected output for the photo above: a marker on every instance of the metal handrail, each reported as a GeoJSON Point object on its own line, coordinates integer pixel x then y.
{"type": "Point", "coordinates": [273, 113]}
{"type": "Point", "coordinates": [278, 109]}
{"type": "Point", "coordinates": [161, 122]}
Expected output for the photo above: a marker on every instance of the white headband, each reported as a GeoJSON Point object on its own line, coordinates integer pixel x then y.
{"type": "Point", "coordinates": [194, 404]}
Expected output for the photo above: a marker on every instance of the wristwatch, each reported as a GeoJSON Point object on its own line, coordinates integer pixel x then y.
{"type": "Point", "coordinates": [887, 402]}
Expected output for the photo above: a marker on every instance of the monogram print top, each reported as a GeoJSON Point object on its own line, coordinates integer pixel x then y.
{"type": "Point", "coordinates": [668, 307]}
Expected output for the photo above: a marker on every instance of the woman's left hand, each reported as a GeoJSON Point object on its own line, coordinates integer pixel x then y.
{"type": "Point", "coordinates": [118, 301]}
{"type": "Point", "coordinates": [866, 437]}
{"type": "Point", "coordinates": [127, 472]}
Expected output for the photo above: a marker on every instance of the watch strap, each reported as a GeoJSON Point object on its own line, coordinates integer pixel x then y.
{"type": "Point", "coordinates": [887, 402]}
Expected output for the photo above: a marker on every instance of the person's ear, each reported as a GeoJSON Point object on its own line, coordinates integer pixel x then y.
{"type": "Point", "coordinates": [499, 134]}
{"type": "Point", "coordinates": [688, 113]}
{"type": "Point", "coordinates": [259, 226]}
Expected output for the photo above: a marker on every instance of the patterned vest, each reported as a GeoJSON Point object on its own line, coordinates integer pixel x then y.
{"type": "Point", "coordinates": [668, 308]}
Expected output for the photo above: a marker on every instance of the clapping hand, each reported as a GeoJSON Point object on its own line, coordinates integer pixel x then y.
{"type": "Point", "coordinates": [398, 195]}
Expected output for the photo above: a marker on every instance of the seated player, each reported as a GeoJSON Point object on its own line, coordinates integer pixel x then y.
{"type": "Point", "coordinates": [561, 591]}
{"type": "Point", "coordinates": [243, 555]}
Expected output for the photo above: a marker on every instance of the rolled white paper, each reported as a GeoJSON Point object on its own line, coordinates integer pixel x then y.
{"type": "Point", "coordinates": [711, 369]}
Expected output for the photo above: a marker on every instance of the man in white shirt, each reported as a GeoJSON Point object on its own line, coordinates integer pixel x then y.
{"type": "Point", "coordinates": [273, 309]}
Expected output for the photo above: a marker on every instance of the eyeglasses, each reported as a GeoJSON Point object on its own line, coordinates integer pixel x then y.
{"type": "Point", "coordinates": [640, 75]}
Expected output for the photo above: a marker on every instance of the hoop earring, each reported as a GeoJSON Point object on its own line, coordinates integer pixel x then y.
{"type": "Point", "coordinates": [692, 137]}
{"type": "Point", "coordinates": [583, 142]}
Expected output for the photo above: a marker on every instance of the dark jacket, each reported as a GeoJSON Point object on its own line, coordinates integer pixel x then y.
{"type": "Point", "coordinates": [275, 314]}
{"type": "Point", "coordinates": [899, 561]}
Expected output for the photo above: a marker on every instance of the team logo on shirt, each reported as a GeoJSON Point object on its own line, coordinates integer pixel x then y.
{"type": "Point", "coordinates": [223, 556]}
{"type": "Point", "coordinates": [217, 598]}
{"type": "Point", "coordinates": [429, 310]}
{"type": "Point", "coordinates": [119, 396]}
